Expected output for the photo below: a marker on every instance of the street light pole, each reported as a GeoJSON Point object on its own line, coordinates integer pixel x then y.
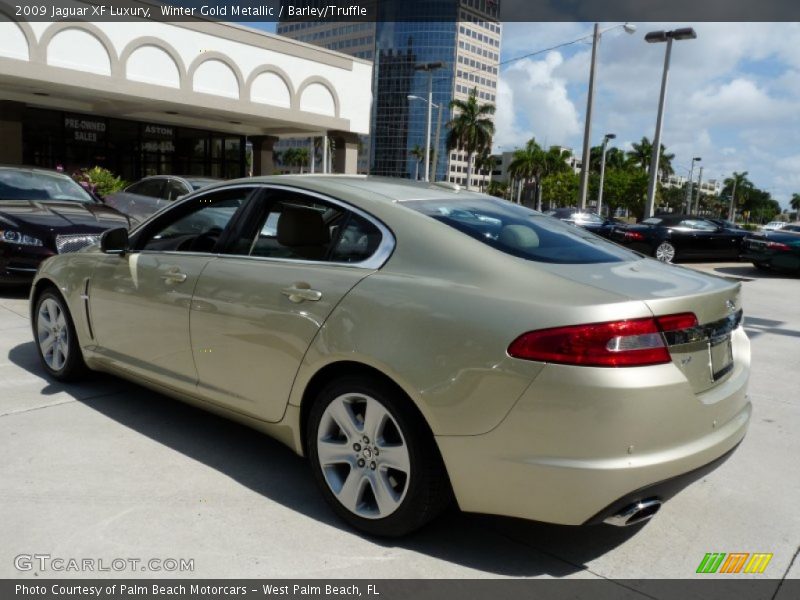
{"type": "Point", "coordinates": [689, 185]}
{"type": "Point", "coordinates": [587, 132]}
{"type": "Point", "coordinates": [428, 158]}
{"type": "Point", "coordinates": [732, 209]}
{"type": "Point", "coordinates": [653, 37]}
{"type": "Point", "coordinates": [699, 183]}
{"type": "Point", "coordinates": [608, 136]}
{"type": "Point", "coordinates": [430, 67]}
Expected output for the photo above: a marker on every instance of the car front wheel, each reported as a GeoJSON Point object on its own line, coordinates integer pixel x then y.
{"type": "Point", "coordinates": [374, 458]}
{"type": "Point", "coordinates": [55, 338]}
{"type": "Point", "coordinates": [665, 252]}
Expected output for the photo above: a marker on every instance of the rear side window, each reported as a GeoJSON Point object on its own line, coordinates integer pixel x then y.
{"type": "Point", "coordinates": [522, 232]}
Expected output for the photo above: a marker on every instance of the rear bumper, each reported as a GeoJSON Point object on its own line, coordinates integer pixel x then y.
{"type": "Point", "coordinates": [663, 490]}
{"type": "Point", "coordinates": [582, 440]}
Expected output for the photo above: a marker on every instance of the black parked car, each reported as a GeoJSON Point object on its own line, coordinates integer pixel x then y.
{"type": "Point", "coordinates": [675, 237]}
{"type": "Point", "coordinates": [779, 249]}
{"type": "Point", "coordinates": [149, 195]}
{"type": "Point", "coordinates": [43, 213]}
{"type": "Point", "coordinates": [588, 220]}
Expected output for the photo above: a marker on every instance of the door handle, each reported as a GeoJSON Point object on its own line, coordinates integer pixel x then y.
{"type": "Point", "coordinates": [173, 276]}
{"type": "Point", "coordinates": [299, 293]}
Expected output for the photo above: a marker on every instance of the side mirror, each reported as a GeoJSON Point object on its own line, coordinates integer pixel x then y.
{"type": "Point", "coordinates": [115, 241]}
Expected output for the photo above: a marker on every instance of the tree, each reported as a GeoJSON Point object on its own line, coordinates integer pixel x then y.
{"type": "Point", "coordinates": [484, 164]}
{"type": "Point", "coordinates": [641, 154]}
{"type": "Point", "coordinates": [471, 129]}
{"type": "Point", "coordinates": [418, 153]}
{"type": "Point", "coordinates": [560, 189]}
{"type": "Point", "coordinates": [528, 164]}
{"type": "Point", "coordinates": [615, 159]}
{"type": "Point", "coordinates": [795, 204]}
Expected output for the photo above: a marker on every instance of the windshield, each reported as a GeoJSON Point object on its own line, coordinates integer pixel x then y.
{"type": "Point", "coordinates": [18, 184]}
{"type": "Point", "coordinates": [200, 183]}
{"type": "Point", "coordinates": [522, 232]}
{"type": "Point", "coordinates": [586, 218]}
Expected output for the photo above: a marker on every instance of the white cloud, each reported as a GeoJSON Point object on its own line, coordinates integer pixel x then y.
{"type": "Point", "coordinates": [533, 102]}
{"type": "Point", "coordinates": [733, 94]}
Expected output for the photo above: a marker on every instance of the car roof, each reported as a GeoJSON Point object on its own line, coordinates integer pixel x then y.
{"type": "Point", "coordinates": [379, 188]}
{"type": "Point", "coordinates": [27, 169]}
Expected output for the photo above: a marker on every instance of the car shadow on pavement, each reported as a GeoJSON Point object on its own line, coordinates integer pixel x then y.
{"type": "Point", "coordinates": [14, 292]}
{"type": "Point", "coordinates": [496, 545]}
{"type": "Point", "coordinates": [751, 273]}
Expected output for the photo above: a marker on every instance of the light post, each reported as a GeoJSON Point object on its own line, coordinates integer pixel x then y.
{"type": "Point", "coordinates": [732, 209]}
{"type": "Point", "coordinates": [429, 67]}
{"type": "Point", "coordinates": [699, 184]}
{"type": "Point", "coordinates": [606, 139]}
{"type": "Point", "coordinates": [435, 158]}
{"type": "Point", "coordinates": [689, 185]}
{"type": "Point", "coordinates": [654, 37]}
{"type": "Point", "coordinates": [587, 132]}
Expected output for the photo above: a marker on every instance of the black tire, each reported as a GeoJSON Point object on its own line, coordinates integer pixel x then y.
{"type": "Point", "coordinates": [427, 488]}
{"type": "Point", "coordinates": [761, 266]}
{"type": "Point", "coordinates": [73, 367]}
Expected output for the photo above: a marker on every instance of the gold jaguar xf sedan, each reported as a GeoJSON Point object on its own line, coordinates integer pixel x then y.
{"type": "Point", "coordinates": [418, 343]}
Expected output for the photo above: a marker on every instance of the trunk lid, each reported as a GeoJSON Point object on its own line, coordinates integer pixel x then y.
{"type": "Point", "coordinates": [704, 353]}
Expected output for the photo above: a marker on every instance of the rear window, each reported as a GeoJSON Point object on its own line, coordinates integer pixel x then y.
{"type": "Point", "coordinates": [522, 232]}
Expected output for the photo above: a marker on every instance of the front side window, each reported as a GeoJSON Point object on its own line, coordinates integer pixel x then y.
{"type": "Point", "coordinates": [522, 232]}
{"type": "Point", "coordinates": [18, 184]}
{"type": "Point", "coordinates": [196, 226]}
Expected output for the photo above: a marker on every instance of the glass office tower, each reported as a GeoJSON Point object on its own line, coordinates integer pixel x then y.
{"type": "Point", "coordinates": [462, 34]}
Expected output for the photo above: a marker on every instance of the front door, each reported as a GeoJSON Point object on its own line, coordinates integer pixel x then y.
{"type": "Point", "coordinates": [139, 303]}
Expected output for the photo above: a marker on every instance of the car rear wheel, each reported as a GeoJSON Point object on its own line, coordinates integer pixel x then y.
{"type": "Point", "coordinates": [665, 252]}
{"type": "Point", "coordinates": [374, 458]}
{"type": "Point", "coordinates": [761, 266]}
{"type": "Point", "coordinates": [55, 338]}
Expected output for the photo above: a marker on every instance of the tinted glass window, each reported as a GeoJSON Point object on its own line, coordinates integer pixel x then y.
{"type": "Point", "coordinates": [175, 189]}
{"type": "Point", "coordinates": [30, 185]}
{"type": "Point", "coordinates": [522, 232]}
{"type": "Point", "coordinates": [149, 187]}
{"type": "Point", "coordinates": [698, 225]}
{"type": "Point", "coordinates": [201, 183]}
{"type": "Point", "coordinates": [195, 227]}
{"type": "Point", "coordinates": [652, 221]}
{"type": "Point", "coordinates": [299, 227]}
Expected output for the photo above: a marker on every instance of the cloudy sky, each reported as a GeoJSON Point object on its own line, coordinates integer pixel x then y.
{"type": "Point", "coordinates": [733, 96]}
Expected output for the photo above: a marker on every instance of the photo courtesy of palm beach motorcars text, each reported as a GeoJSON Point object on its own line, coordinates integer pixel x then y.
{"type": "Point", "coordinates": [395, 299]}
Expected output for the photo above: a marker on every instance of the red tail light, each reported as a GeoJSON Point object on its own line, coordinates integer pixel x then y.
{"type": "Point", "coordinates": [634, 236]}
{"type": "Point", "coordinates": [778, 246]}
{"type": "Point", "coordinates": [630, 343]}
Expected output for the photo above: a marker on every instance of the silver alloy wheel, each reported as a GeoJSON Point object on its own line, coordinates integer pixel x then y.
{"type": "Point", "coordinates": [665, 252]}
{"type": "Point", "coordinates": [363, 456]}
{"type": "Point", "coordinates": [53, 334]}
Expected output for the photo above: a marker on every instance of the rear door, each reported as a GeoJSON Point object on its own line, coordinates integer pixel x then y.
{"type": "Point", "coordinates": [256, 309]}
{"type": "Point", "coordinates": [139, 303]}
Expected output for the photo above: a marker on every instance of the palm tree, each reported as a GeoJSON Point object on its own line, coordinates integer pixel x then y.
{"type": "Point", "coordinates": [418, 152]}
{"type": "Point", "coordinates": [471, 129]}
{"type": "Point", "coordinates": [484, 164]}
{"type": "Point", "coordinates": [528, 164]}
{"type": "Point", "coordinates": [795, 204]}
{"type": "Point", "coordinates": [641, 154]}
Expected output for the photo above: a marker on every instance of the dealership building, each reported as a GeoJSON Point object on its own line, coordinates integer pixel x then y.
{"type": "Point", "coordinates": [143, 97]}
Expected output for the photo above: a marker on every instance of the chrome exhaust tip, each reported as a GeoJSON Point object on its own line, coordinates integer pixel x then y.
{"type": "Point", "coordinates": [638, 512]}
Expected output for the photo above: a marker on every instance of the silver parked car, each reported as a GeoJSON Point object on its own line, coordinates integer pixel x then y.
{"type": "Point", "coordinates": [149, 195]}
{"type": "Point", "coordinates": [417, 344]}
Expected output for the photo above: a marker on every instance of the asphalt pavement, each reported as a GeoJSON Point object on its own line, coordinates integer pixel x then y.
{"type": "Point", "coordinates": [106, 470]}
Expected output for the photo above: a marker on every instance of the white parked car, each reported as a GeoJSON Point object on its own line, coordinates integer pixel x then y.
{"type": "Point", "coordinates": [773, 226]}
